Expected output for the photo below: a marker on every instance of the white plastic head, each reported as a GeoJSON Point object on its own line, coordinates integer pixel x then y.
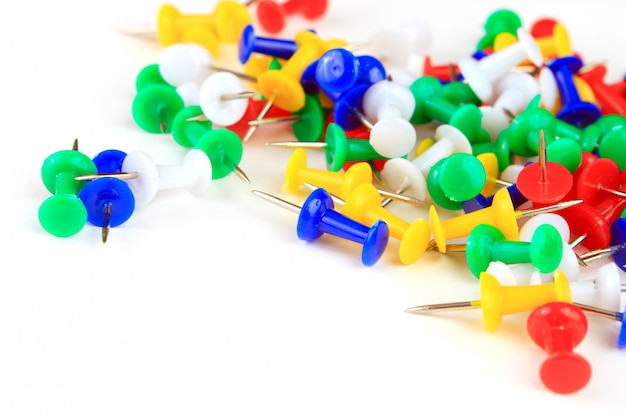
{"type": "Point", "coordinates": [219, 109]}
{"type": "Point", "coordinates": [183, 63]}
{"type": "Point", "coordinates": [393, 137]}
{"type": "Point", "coordinates": [401, 174]}
{"type": "Point", "coordinates": [388, 99]}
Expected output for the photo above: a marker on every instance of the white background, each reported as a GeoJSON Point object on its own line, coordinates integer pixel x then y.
{"type": "Point", "coordinates": [210, 305]}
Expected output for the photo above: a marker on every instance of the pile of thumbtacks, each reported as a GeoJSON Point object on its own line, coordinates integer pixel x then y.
{"type": "Point", "coordinates": [534, 132]}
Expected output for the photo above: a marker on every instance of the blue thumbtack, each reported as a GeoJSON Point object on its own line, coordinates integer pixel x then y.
{"type": "Point", "coordinates": [317, 216]}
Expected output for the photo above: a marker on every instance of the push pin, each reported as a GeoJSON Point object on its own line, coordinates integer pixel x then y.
{"type": "Point", "coordinates": [222, 146]}
{"type": "Point", "coordinates": [390, 105]}
{"type": "Point", "coordinates": [317, 216]}
{"type": "Point", "coordinates": [432, 104]}
{"type": "Point", "coordinates": [500, 214]}
{"type": "Point", "coordinates": [272, 15]}
{"type": "Point", "coordinates": [339, 149]}
{"type": "Point", "coordinates": [109, 203]}
{"type": "Point", "coordinates": [155, 106]}
{"type": "Point", "coordinates": [496, 300]}
{"type": "Point", "coordinates": [558, 327]}
{"type": "Point", "coordinates": [486, 243]}
{"type": "Point", "coordinates": [598, 180]}
{"type": "Point", "coordinates": [615, 315]}
{"type": "Point", "coordinates": [340, 184]}
{"type": "Point", "coordinates": [481, 75]}
{"type": "Point", "coordinates": [544, 182]}
{"type": "Point", "coordinates": [618, 239]}
{"type": "Point", "coordinates": [63, 214]}
{"type": "Point", "coordinates": [251, 43]}
{"type": "Point", "coordinates": [363, 205]}
{"type": "Point", "coordinates": [226, 22]}
{"type": "Point", "coordinates": [146, 178]}
{"type": "Point", "coordinates": [443, 183]}
{"type": "Point", "coordinates": [573, 109]}
{"type": "Point", "coordinates": [223, 98]}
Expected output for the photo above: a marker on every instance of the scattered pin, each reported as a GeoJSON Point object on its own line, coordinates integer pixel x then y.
{"type": "Point", "coordinates": [497, 300]}
{"type": "Point", "coordinates": [317, 216]}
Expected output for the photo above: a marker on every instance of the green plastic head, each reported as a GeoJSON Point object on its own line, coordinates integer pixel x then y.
{"type": "Point", "coordinates": [155, 106]}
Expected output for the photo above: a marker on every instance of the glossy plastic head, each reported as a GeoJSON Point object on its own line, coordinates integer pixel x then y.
{"type": "Point", "coordinates": [109, 161]}
{"type": "Point", "coordinates": [100, 193]}
{"type": "Point", "coordinates": [63, 214]}
{"type": "Point", "coordinates": [558, 328]}
{"type": "Point", "coordinates": [155, 107]}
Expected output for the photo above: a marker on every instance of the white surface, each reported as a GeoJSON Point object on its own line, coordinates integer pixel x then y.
{"type": "Point", "coordinates": [209, 305]}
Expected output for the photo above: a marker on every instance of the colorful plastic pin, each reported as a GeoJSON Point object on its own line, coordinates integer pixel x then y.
{"type": "Point", "coordinates": [146, 178]}
{"type": "Point", "coordinates": [500, 214]}
{"type": "Point", "coordinates": [390, 106]}
{"type": "Point", "coordinates": [272, 15]}
{"type": "Point", "coordinates": [251, 43]}
{"type": "Point", "coordinates": [109, 203]}
{"type": "Point", "coordinates": [223, 98]}
{"type": "Point", "coordinates": [486, 243]}
{"type": "Point", "coordinates": [615, 315]}
{"type": "Point", "coordinates": [339, 184]}
{"type": "Point", "coordinates": [222, 146]}
{"type": "Point", "coordinates": [339, 149]}
{"type": "Point", "coordinates": [482, 74]}
{"type": "Point", "coordinates": [443, 183]}
{"type": "Point", "coordinates": [363, 204]}
{"type": "Point", "coordinates": [598, 180]}
{"type": "Point", "coordinates": [432, 105]}
{"type": "Point", "coordinates": [573, 109]}
{"type": "Point", "coordinates": [496, 301]}
{"type": "Point", "coordinates": [63, 214]}
{"type": "Point", "coordinates": [317, 216]}
{"type": "Point", "coordinates": [544, 182]}
{"type": "Point", "coordinates": [499, 21]}
{"type": "Point", "coordinates": [558, 327]}
{"type": "Point", "coordinates": [226, 22]}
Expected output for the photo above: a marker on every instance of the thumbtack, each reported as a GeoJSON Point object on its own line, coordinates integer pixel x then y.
{"type": "Point", "coordinates": [486, 243]}
{"type": "Point", "coordinates": [573, 109]}
{"type": "Point", "coordinates": [339, 149]}
{"type": "Point", "coordinates": [317, 216]}
{"type": "Point", "coordinates": [363, 205]}
{"type": "Point", "coordinates": [544, 182]}
{"type": "Point", "coordinates": [500, 214]}
{"type": "Point", "coordinates": [599, 179]}
{"type": "Point", "coordinates": [63, 214]}
{"type": "Point", "coordinates": [109, 203]}
{"type": "Point", "coordinates": [222, 146]}
{"type": "Point", "coordinates": [482, 74]}
{"type": "Point", "coordinates": [340, 184]}
{"type": "Point", "coordinates": [431, 104]}
{"type": "Point", "coordinates": [390, 105]}
{"type": "Point", "coordinates": [272, 15]}
{"type": "Point", "coordinates": [558, 327]}
{"type": "Point", "coordinates": [226, 22]}
{"type": "Point", "coordinates": [250, 43]}
{"type": "Point", "coordinates": [146, 178]}
{"type": "Point", "coordinates": [155, 106]}
{"type": "Point", "coordinates": [223, 99]}
{"type": "Point", "coordinates": [497, 300]}
{"type": "Point", "coordinates": [615, 315]}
